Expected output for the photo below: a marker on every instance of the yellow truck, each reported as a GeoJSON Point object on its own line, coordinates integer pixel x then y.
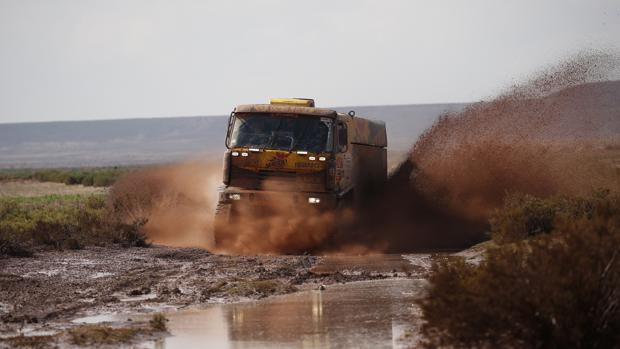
{"type": "Point", "coordinates": [296, 155]}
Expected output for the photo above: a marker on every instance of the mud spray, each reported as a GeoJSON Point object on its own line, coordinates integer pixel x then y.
{"type": "Point", "coordinates": [177, 202]}
{"type": "Point", "coordinates": [544, 137]}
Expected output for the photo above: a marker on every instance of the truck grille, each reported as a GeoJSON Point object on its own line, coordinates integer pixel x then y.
{"type": "Point", "coordinates": [277, 180]}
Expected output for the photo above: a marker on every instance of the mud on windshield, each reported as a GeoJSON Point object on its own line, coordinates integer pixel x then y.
{"type": "Point", "coordinates": [267, 131]}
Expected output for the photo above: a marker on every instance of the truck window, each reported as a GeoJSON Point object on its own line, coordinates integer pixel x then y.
{"type": "Point", "coordinates": [342, 137]}
{"type": "Point", "coordinates": [280, 132]}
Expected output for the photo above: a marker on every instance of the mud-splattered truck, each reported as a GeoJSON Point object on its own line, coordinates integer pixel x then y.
{"type": "Point", "coordinates": [297, 156]}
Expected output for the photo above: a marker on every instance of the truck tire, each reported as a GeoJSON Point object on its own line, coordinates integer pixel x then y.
{"type": "Point", "coordinates": [222, 226]}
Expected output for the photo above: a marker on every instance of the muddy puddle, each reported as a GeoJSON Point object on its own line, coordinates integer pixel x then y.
{"type": "Point", "coordinates": [367, 314]}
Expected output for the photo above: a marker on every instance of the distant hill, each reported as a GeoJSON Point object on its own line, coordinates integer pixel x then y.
{"type": "Point", "coordinates": [158, 140]}
{"type": "Point", "coordinates": [593, 109]}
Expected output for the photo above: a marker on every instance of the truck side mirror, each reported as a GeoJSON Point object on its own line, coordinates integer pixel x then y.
{"type": "Point", "coordinates": [343, 141]}
{"type": "Point", "coordinates": [231, 121]}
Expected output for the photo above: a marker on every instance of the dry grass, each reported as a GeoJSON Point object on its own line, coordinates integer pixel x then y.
{"type": "Point", "coordinates": [93, 335]}
{"type": "Point", "coordinates": [62, 222]}
{"type": "Point", "coordinates": [41, 342]}
{"type": "Point", "coordinates": [247, 288]}
{"type": "Point", "coordinates": [32, 188]}
{"type": "Point", "coordinates": [83, 336]}
{"type": "Point", "coordinates": [158, 322]}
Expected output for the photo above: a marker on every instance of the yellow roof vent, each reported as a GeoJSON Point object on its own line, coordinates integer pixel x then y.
{"type": "Point", "coordinates": [300, 102]}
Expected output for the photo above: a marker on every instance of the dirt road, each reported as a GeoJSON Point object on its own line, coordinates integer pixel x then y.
{"type": "Point", "coordinates": [45, 293]}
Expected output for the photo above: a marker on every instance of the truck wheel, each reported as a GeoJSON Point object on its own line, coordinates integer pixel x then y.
{"type": "Point", "coordinates": [345, 202]}
{"type": "Point", "coordinates": [222, 226]}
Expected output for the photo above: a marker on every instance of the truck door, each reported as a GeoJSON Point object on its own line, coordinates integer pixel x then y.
{"type": "Point", "coordinates": [344, 159]}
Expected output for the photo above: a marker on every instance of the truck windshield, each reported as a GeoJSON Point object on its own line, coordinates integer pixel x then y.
{"type": "Point", "coordinates": [282, 132]}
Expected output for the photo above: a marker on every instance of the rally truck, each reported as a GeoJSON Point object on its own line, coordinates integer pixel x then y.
{"type": "Point", "coordinates": [296, 156]}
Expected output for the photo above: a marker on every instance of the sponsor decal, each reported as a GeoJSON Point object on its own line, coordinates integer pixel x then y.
{"type": "Point", "coordinates": [278, 161]}
{"type": "Point", "coordinates": [311, 165]}
{"type": "Point", "coordinates": [339, 162]}
{"type": "Point", "coordinates": [245, 161]}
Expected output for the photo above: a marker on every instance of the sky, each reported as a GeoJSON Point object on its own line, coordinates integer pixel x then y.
{"type": "Point", "coordinates": [105, 59]}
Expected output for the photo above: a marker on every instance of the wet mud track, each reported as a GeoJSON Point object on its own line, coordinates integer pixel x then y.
{"type": "Point", "coordinates": [48, 292]}
{"type": "Point", "coordinates": [363, 314]}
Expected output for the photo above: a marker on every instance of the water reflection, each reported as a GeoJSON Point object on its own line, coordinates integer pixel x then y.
{"type": "Point", "coordinates": [366, 315]}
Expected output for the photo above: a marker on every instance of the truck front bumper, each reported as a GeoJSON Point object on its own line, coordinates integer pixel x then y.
{"type": "Point", "coordinates": [260, 198]}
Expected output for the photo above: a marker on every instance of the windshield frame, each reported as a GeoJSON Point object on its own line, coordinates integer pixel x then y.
{"type": "Point", "coordinates": [329, 146]}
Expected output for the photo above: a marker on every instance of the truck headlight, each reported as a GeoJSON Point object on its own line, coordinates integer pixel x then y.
{"type": "Point", "coordinates": [234, 196]}
{"type": "Point", "coordinates": [314, 200]}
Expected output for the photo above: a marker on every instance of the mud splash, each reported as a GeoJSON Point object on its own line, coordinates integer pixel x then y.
{"type": "Point", "coordinates": [540, 138]}
{"type": "Point", "coordinates": [278, 228]}
{"type": "Point", "coordinates": [544, 137]}
{"type": "Point", "coordinates": [177, 201]}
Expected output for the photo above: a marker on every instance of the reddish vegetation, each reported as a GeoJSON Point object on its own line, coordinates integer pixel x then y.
{"type": "Point", "coordinates": [541, 138]}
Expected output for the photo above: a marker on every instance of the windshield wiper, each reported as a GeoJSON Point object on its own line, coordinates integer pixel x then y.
{"type": "Point", "coordinates": [272, 136]}
{"type": "Point", "coordinates": [275, 135]}
{"type": "Point", "coordinates": [301, 136]}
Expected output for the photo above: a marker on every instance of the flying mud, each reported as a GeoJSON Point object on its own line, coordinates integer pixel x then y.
{"type": "Point", "coordinates": [540, 138]}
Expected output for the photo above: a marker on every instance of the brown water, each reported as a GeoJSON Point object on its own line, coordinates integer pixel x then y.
{"type": "Point", "coordinates": [369, 314]}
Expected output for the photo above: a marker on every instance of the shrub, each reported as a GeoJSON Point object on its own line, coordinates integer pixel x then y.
{"type": "Point", "coordinates": [555, 290]}
{"type": "Point", "coordinates": [30, 341]}
{"type": "Point", "coordinates": [11, 248]}
{"type": "Point", "coordinates": [87, 180]}
{"type": "Point", "coordinates": [524, 216]}
{"type": "Point", "coordinates": [96, 335]}
{"type": "Point", "coordinates": [158, 322]}
{"type": "Point", "coordinates": [74, 178]}
{"type": "Point", "coordinates": [101, 177]}
{"type": "Point", "coordinates": [130, 234]}
{"type": "Point", "coordinates": [63, 222]}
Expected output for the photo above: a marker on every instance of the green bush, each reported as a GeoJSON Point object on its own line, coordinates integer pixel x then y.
{"type": "Point", "coordinates": [104, 179]}
{"type": "Point", "coordinates": [62, 222]}
{"type": "Point", "coordinates": [88, 180]}
{"type": "Point", "coordinates": [15, 174]}
{"type": "Point", "coordinates": [100, 177]}
{"type": "Point", "coordinates": [554, 290]}
{"type": "Point", "coordinates": [525, 216]}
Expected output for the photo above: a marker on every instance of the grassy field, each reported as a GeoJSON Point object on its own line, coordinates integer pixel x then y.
{"type": "Point", "coordinates": [30, 188]}
{"type": "Point", "coordinates": [62, 221]}
{"type": "Point", "coordinates": [61, 209]}
{"type": "Point", "coordinates": [95, 177]}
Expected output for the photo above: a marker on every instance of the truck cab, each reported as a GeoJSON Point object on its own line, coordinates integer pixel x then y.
{"type": "Point", "coordinates": [291, 153]}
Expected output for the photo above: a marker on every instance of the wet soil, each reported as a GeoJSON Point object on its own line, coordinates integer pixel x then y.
{"type": "Point", "coordinates": [43, 294]}
{"type": "Point", "coordinates": [365, 314]}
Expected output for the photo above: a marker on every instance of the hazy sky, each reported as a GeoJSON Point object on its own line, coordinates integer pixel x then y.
{"type": "Point", "coordinates": [82, 59]}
